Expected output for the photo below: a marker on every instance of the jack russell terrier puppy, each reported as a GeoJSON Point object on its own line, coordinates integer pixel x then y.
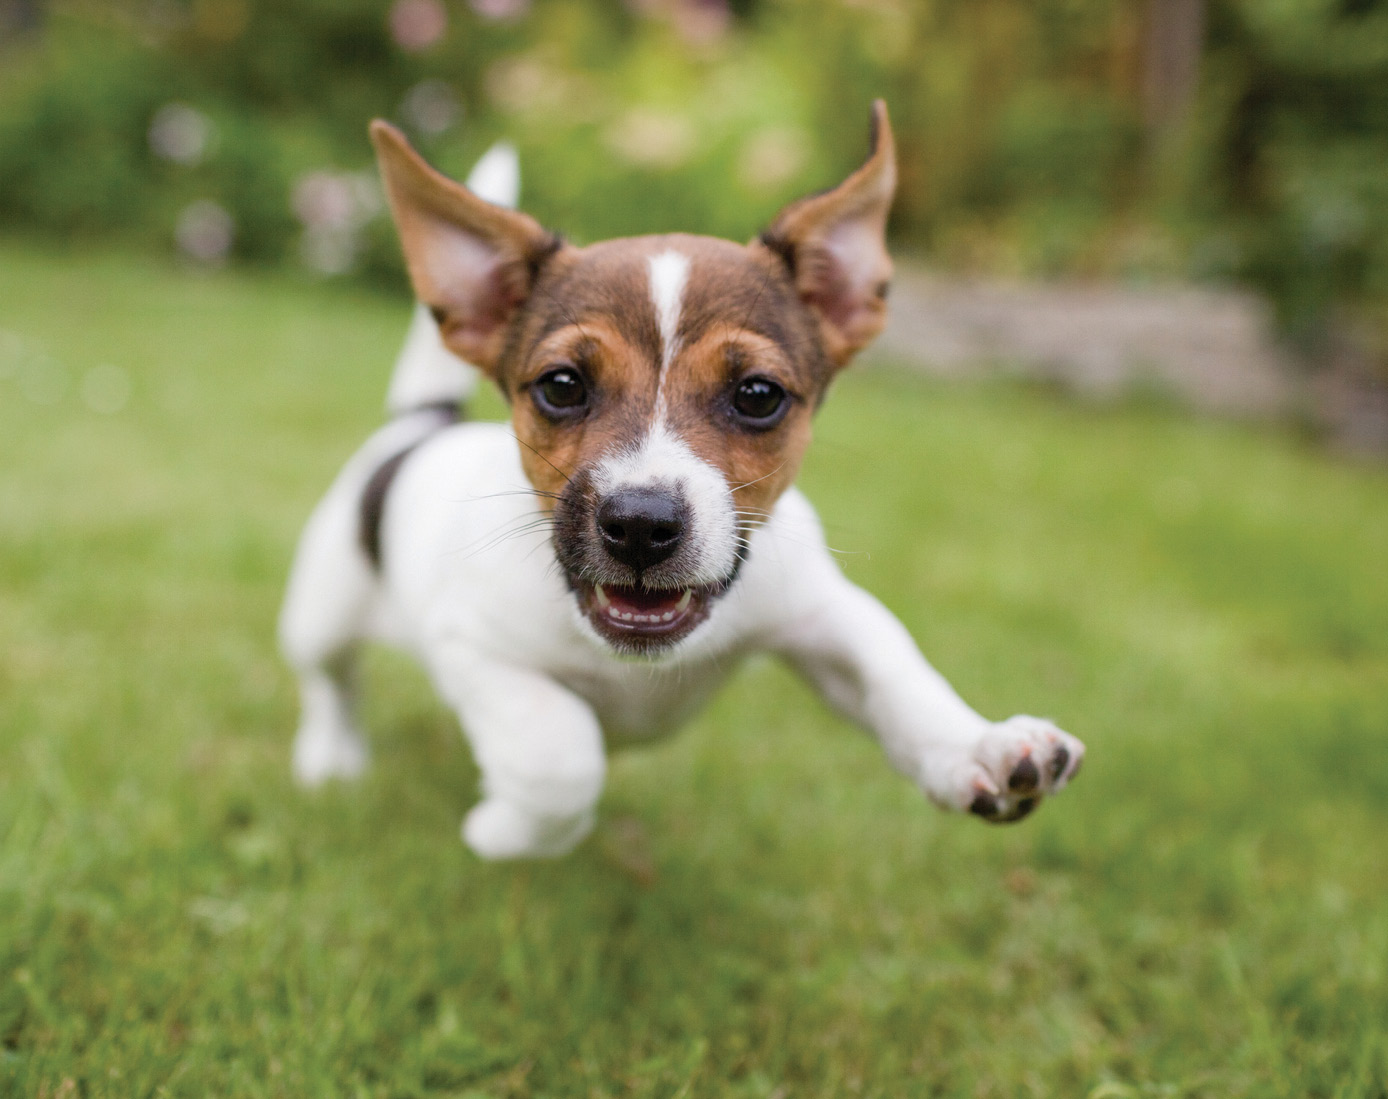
{"type": "Point", "coordinates": [590, 573]}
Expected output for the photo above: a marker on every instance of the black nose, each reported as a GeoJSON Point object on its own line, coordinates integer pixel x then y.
{"type": "Point", "coordinates": [641, 527]}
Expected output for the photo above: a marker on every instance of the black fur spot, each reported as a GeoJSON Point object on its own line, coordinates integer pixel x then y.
{"type": "Point", "coordinates": [373, 497]}
{"type": "Point", "coordinates": [782, 247]}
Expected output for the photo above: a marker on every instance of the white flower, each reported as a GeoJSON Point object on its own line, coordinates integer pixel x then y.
{"type": "Point", "coordinates": [431, 107]}
{"type": "Point", "coordinates": [417, 24]}
{"type": "Point", "coordinates": [180, 133]}
{"type": "Point", "coordinates": [500, 10]}
{"type": "Point", "coordinates": [651, 138]}
{"type": "Point", "coordinates": [205, 231]}
{"type": "Point", "coordinates": [329, 250]}
{"type": "Point", "coordinates": [325, 199]}
{"type": "Point", "coordinates": [772, 157]}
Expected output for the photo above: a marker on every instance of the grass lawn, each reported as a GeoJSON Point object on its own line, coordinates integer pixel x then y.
{"type": "Point", "coordinates": [766, 909]}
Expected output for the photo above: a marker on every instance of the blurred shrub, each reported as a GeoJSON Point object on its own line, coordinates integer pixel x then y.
{"type": "Point", "coordinates": [76, 158]}
{"type": "Point", "coordinates": [1020, 124]}
{"type": "Point", "coordinates": [72, 145]}
{"type": "Point", "coordinates": [1300, 158]}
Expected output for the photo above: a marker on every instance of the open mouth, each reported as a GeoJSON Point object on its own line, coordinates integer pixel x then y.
{"type": "Point", "coordinates": [642, 618]}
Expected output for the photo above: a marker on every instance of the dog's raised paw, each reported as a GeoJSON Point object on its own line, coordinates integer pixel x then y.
{"type": "Point", "coordinates": [1016, 764]}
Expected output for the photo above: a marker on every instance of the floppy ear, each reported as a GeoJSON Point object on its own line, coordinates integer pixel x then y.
{"type": "Point", "coordinates": [472, 263]}
{"type": "Point", "coordinates": [834, 245]}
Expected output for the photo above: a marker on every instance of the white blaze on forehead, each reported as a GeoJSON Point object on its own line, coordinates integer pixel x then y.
{"type": "Point", "coordinates": [663, 460]}
{"type": "Point", "coordinates": [669, 271]}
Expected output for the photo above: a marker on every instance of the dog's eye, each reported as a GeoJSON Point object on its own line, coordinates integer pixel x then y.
{"type": "Point", "coordinates": [760, 402]}
{"type": "Point", "coordinates": [560, 393]}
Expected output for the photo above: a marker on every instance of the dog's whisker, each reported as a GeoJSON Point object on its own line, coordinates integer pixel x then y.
{"type": "Point", "coordinates": [534, 550]}
{"type": "Point", "coordinates": [763, 477]}
{"type": "Point", "coordinates": [567, 476]}
{"type": "Point", "coordinates": [512, 528]}
{"type": "Point", "coordinates": [505, 492]}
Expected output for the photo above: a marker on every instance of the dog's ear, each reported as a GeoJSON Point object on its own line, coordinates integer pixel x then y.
{"type": "Point", "coordinates": [472, 263]}
{"type": "Point", "coordinates": [834, 245]}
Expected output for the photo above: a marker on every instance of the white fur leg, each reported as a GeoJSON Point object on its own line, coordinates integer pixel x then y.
{"type": "Point", "coordinates": [328, 744]}
{"type": "Point", "coordinates": [331, 590]}
{"type": "Point", "coordinates": [865, 662]}
{"type": "Point", "coordinates": [540, 751]}
{"type": "Point", "coordinates": [500, 829]}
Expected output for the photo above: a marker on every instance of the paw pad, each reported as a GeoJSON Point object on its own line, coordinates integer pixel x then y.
{"type": "Point", "coordinates": [997, 811]}
{"type": "Point", "coordinates": [1017, 763]}
{"type": "Point", "coordinates": [1025, 777]}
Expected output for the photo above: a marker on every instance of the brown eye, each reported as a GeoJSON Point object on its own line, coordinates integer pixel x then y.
{"type": "Point", "coordinates": [560, 393]}
{"type": "Point", "coordinates": [760, 402]}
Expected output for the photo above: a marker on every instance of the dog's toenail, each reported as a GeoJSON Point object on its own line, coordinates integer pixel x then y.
{"type": "Point", "coordinates": [1024, 777]}
{"type": "Point", "coordinates": [1058, 762]}
{"type": "Point", "coordinates": [983, 805]}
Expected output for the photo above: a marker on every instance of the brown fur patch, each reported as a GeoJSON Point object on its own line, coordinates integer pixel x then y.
{"type": "Point", "coordinates": [621, 389]}
{"type": "Point", "coordinates": [739, 317]}
{"type": "Point", "coordinates": [372, 508]}
{"type": "Point", "coordinates": [757, 464]}
{"type": "Point", "coordinates": [471, 262]}
{"type": "Point", "coordinates": [833, 245]}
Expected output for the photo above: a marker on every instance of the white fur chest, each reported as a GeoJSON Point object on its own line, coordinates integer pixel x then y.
{"type": "Point", "coordinates": [469, 565]}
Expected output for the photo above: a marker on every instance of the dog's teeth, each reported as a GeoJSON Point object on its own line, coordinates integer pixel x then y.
{"type": "Point", "coordinates": [616, 614]}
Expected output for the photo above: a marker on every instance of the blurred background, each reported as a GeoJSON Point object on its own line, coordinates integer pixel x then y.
{"type": "Point", "coordinates": [1137, 146]}
{"type": "Point", "coordinates": [1157, 205]}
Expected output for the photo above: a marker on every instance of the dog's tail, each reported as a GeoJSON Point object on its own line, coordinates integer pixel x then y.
{"type": "Point", "coordinates": [427, 373]}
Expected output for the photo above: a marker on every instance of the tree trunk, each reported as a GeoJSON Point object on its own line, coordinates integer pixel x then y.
{"type": "Point", "coordinates": [1173, 35]}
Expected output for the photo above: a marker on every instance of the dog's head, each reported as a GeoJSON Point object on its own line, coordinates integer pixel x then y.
{"type": "Point", "coordinates": [661, 387]}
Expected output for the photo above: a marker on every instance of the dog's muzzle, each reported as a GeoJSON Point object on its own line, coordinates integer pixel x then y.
{"type": "Point", "coordinates": [632, 559]}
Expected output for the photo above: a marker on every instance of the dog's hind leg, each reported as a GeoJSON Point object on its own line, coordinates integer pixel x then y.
{"type": "Point", "coordinates": [328, 743]}
{"type": "Point", "coordinates": [332, 590]}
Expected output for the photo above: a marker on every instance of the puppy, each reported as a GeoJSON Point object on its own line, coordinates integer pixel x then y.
{"type": "Point", "coordinates": [589, 573]}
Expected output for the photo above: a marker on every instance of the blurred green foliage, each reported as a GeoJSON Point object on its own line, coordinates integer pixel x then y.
{"type": "Point", "coordinates": [1027, 146]}
{"type": "Point", "coordinates": [1300, 165]}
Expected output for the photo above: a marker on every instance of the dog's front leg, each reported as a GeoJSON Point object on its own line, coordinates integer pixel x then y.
{"type": "Point", "coordinates": [540, 751]}
{"type": "Point", "coordinates": [867, 665]}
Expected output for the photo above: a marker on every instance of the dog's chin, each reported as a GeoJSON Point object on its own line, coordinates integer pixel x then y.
{"type": "Point", "coordinates": [644, 621]}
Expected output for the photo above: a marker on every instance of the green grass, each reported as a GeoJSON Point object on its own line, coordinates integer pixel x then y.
{"type": "Point", "coordinates": [766, 910]}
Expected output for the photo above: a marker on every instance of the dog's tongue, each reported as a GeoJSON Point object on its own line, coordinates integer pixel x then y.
{"type": "Point", "coordinates": [641, 600]}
